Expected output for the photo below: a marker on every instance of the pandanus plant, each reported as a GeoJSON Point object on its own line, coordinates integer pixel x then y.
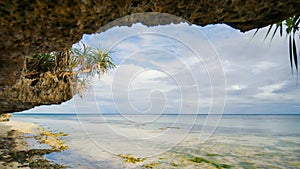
{"type": "Point", "coordinates": [291, 25]}
{"type": "Point", "coordinates": [81, 63]}
{"type": "Point", "coordinates": [89, 62]}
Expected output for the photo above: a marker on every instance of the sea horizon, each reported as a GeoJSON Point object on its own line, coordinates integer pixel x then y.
{"type": "Point", "coordinates": [227, 114]}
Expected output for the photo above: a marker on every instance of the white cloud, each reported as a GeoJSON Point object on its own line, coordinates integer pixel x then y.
{"type": "Point", "coordinates": [268, 92]}
{"type": "Point", "coordinates": [271, 88]}
{"type": "Point", "coordinates": [262, 66]}
{"type": "Point", "coordinates": [236, 87]}
{"type": "Point", "coordinates": [162, 67]}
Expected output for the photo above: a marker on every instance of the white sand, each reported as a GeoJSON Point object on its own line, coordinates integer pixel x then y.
{"type": "Point", "coordinates": [24, 127]}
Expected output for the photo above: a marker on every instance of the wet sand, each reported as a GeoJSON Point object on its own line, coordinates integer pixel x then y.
{"type": "Point", "coordinates": [24, 145]}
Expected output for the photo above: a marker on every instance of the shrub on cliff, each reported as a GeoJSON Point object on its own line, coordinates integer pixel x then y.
{"type": "Point", "coordinates": [82, 64]}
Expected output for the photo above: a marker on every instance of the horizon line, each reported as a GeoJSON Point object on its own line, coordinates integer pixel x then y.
{"type": "Point", "coordinates": [19, 113]}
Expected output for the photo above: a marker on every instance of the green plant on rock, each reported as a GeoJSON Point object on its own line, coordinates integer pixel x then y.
{"type": "Point", "coordinates": [81, 64]}
{"type": "Point", "coordinates": [88, 62]}
{"type": "Point", "coordinates": [91, 61]}
{"type": "Point", "coordinates": [291, 25]}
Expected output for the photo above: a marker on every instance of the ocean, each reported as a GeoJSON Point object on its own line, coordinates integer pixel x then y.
{"type": "Point", "coordinates": [174, 141]}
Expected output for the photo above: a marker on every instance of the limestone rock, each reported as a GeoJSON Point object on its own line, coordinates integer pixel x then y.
{"type": "Point", "coordinates": [27, 93]}
{"type": "Point", "coordinates": [5, 117]}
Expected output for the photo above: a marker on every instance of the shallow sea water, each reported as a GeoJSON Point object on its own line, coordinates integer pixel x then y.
{"type": "Point", "coordinates": [174, 141]}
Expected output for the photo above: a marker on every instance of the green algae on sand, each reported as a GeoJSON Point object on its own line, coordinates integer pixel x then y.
{"type": "Point", "coordinates": [203, 160]}
{"type": "Point", "coordinates": [247, 165]}
{"type": "Point", "coordinates": [17, 151]}
{"type": "Point", "coordinates": [129, 159]}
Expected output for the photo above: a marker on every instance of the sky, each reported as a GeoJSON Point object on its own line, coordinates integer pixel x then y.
{"type": "Point", "coordinates": [188, 69]}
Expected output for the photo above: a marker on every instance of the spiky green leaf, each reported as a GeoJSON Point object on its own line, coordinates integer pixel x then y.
{"type": "Point", "coordinates": [291, 53]}
{"type": "Point", "coordinates": [295, 54]}
{"type": "Point", "coordinates": [270, 27]}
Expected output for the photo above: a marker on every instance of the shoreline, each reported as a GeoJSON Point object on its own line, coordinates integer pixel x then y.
{"type": "Point", "coordinates": [236, 144]}
{"type": "Point", "coordinates": [25, 144]}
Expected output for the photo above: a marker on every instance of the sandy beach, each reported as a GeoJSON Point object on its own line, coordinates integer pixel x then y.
{"type": "Point", "coordinates": [24, 145]}
{"type": "Point", "coordinates": [113, 142]}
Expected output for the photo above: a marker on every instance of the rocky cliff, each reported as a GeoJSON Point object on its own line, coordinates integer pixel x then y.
{"type": "Point", "coordinates": [36, 26]}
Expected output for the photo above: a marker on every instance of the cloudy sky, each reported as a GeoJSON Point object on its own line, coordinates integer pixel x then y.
{"type": "Point", "coordinates": [189, 69]}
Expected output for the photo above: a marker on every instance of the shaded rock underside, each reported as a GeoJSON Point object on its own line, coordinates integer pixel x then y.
{"type": "Point", "coordinates": [37, 26]}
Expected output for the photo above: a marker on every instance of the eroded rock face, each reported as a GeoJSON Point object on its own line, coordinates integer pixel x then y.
{"type": "Point", "coordinates": [5, 117]}
{"type": "Point", "coordinates": [33, 26]}
{"type": "Point", "coordinates": [27, 93]}
{"type": "Point", "coordinates": [37, 26]}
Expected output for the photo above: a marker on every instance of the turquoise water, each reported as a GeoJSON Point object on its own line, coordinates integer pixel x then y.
{"type": "Point", "coordinates": [170, 141]}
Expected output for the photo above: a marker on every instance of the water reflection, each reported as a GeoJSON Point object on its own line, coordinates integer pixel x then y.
{"type": "Point", "coordinates": [20, 150]}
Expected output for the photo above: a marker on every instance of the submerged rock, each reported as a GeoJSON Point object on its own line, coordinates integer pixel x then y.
{"type": "Point", "coordinates": [17, 151]}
